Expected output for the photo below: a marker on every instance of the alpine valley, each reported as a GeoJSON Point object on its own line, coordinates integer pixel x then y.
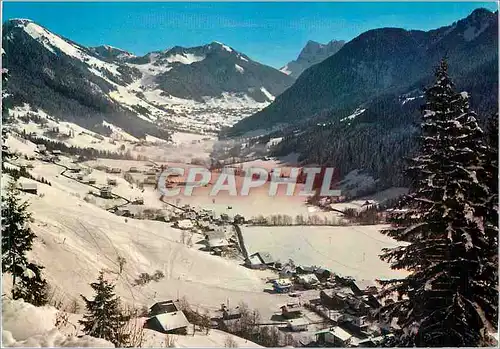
{"type": "Point", "coordinates": [197, 89]}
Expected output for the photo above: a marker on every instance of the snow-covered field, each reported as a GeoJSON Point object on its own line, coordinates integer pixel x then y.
{"type": "Point", "coordinates": [24, 325]}
{"type": "Point", "coordinates": [348, 251]}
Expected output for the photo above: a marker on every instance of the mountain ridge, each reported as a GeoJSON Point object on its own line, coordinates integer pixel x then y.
{"type": "Point", "coordinates": [312, 53]}
{"type": "Point", "coordinates": [379, 61]}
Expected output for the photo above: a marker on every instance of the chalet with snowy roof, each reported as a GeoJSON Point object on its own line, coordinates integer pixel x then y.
{"type": "Point", "coordinates": [291, 311]}
{"type": "Point", "coordinates": [138, 201]}
{"type": "Point", "coordinates": [41, 148]}
{"type": "Point", "coordinates": [74, 168]}
{"type": "Point", "coordinates": [184, 224]}
{"type": "Point", "coordinates": [305, 269]}
{"type": "Point", "coordinates": [296, 325]}
{"type": "Point", "coordinates": [230, 313]}
{"type": "Point", "coordinates": [260, 260]}
{"type": "Point", "coordinates": [355, 323]}
{"type": "Point", "coordinates": [163, 307]}
{"type": "Point", "coordinates": [309, 281]}
{"type": "Point", "coordinates": [287, 271]}
{"type": "Point", "coordinates": [28, 187]}
{"type": "Point", "coordinates": [216, 242]}
{"type": "Point", "coordinates": [282, 285]}
{"type": "Point", "coordinates": [364, 287]}
{"type": "Point", "coordinates": [373, 342]}
{"type": "Point", "coordinates": [333, 337]}
{"type": "Point", "coordinates": [166, 317]}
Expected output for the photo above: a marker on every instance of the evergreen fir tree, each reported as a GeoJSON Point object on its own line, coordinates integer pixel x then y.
{"type": "Point", "coordinates": [17, 237]}
{"type": "Point", "coordinates": [104, 318]}
{"type": "Point", "coordinates": [32, 287]}
{"type": "Point", "coordinates": [450, 296]}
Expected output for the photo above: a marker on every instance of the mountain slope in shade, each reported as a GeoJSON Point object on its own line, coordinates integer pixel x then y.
{"type": "Point", "coordinates": [193, 89]}
{"type": "Point", "coordinates": [214, 69]}
{"type": "Point", "coordinates": [313, 53]}
{"type": "Point", "coordinates": [378, 62]}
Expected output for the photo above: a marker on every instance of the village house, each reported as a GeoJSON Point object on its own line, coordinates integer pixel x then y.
{"type": "Point", "coordinates": [167, 318]}
{"type": "Point", "coordinates": [260, 260]}
{"type": "Point", "coordinates": [299, 324]}
{"type": "Point", "coordinates": [373, 342]}
{"type": "Point", "coordinates": [282, 285]}
{"type": "Point", "coordinates": [102, 168]}
{"type": "Point", "coordinates": [106, 193]}
{"type": "Point", "coordinates": [115, 170]}
{"type": "Point", "coordinates": [151, 180]}
{"type": "Point", "coordinates": [79, 176]}
{"type": "Point", "coordinates": [91, 181]}
{"type": "Point", "coordinates": [184, 224]}
{"type": "Point", "coordinates": [364, 287]}
{"type": "Point", "coordinates": [163, 307]}
{"type": "Point", "coordinates": [230, 313]}
{"type": "Point", "coordinates": [41, 148]}
{"type": "Point", "coordinates": [74, 168]}
{"type": "Point", "coordinates": [323, 274]}
{"type": "Point", "coordinates": [291, 311]}
{"type": "Point", "coordinates": [56, 152]}
{"type": "Point", "coordinates": [309, 281]}
{"type": "Point", "coordinates": [28, 187]}
{"type": "Point", "coordinates": [138, 201]}
{"type": "Point", "coordinates": [335, 301]}
{"type": "Point", "coordinates": [220, 243]}
{"type": "Point", "coordinates": [133, 169]}
{"type": "Point", "coordinates": [333, 337]}
{"type": "Point", "coordinates": [357, 323]}
{"type": "Point", "coordinates": [287, 271]}
{"type": "Point", "coordinates": [112, 181]}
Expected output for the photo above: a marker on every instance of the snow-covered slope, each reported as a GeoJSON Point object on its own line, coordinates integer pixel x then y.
{"type": "Point", "coordinates": [24, 325]}
{"type": "Point", "coordinates": [87, 239]}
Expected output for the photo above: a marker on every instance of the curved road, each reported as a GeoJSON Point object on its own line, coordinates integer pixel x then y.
{"type": "Point", "coordinates": [115, 196]}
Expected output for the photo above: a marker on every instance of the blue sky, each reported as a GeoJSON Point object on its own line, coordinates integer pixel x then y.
{"type": "Point", "coordinates": [271, 33]}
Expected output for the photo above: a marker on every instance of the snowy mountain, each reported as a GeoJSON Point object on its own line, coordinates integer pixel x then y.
{"type": "Point", "coordinates": [210, 71]}
{"type": "Point", "coordinates": [200, 89]}
{"type": "Point", "coordinates": [313, 53]}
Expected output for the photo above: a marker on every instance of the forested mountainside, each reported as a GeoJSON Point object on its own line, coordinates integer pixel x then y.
{"type": "Point", "coordinates": [378, 62]}
{"type": "Point", "coordinates": [334, 115]}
